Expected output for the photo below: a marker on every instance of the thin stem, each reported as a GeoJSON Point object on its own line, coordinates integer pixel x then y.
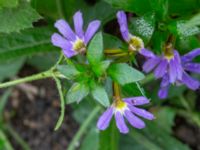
{"type": "Point", "coordinates": [112, 51]}
{"type": "Point", "coordinates": [62, 103]}
{"type": "Point", "coordinates": [116, 90]}
{"type": "Point", "coordinates": [38, 76]}
{"type": "Point", "coordinates": [83, 128]}
{"type": "Point", "coordinates": [185, 103]}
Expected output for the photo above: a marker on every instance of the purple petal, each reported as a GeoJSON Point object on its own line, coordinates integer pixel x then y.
{"type": "Point", "coordinates": [178, 65]}
{"type": "Point", "coordinates": [190, 82]}
{"type": "Point", "coordinates": [172, 71]}
{"type": "Point", "coordinates": [165, 81]}
{"type": "Point", "coordinates": [147, 53]}
{"type": "Point", "coordinates": [121, 123]}
{"type": "Point", "coordinates": [65, 29]}
{"type": "Point", "coordinates": [91, 30]}
{"type": "Point", "coordinates": [192, 67]}
{"type": "Point", "coordinates": [122, 20]}
{"type": "Point", "coordinates": [60, 41]}
{"type": "Point", "coordinates": [133, 120]}
{"type": "Point", "coordinates": [191, 55]}
{"type": "Point", "coordinates": [69, 53]}
{"type": "Point", "coordinates": [141, 112]}
{"type": "Point", "coordinates": [161, 69]}
{"type": "Point", "coordinates": [105, 119]}
{"type": "Point", "coordinates": [78, 24]}
{"type": "Point", "coordinates": [163, 92]}
{"type": "Point", "coordinates": [150, 64]}
{"type": "Point", "coordinates": [136, 101]}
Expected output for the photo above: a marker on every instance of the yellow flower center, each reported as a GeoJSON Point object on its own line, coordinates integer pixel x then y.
{"type": "Point", "coordinates": [136, 43]}
{"type": "Point", "coordinates": [120, 105]}
{"type": "Point", "coordinates": [79, 46]}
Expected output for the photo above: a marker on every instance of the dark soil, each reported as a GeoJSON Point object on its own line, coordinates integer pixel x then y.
{"type": "Point", "coordinates": [33, 110]}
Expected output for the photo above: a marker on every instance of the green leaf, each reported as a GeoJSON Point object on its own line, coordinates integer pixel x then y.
{"type": "Point", "coordinates": [136, 6]}
{"type": "Point", "coordinates": [143, 26]}
{"type": "Point", "coordinates": [26, 43]}
{"type": "Point", "coordinates": [91, 139]}
{"type": "Point", "coordinates": [95, 49]}
{"type": "Point", "coordinates": [10, 68]}
{"type": "Point", "coordinates": [69, 71]}
{"type": "Point", "coordinates": [101, 67]}
{"type": "Point", "coordinates": [150, 138]}
{"type": "Point", "coordinates": [182, 29]}
{"type": "Point", "coordinates": [100, 94]}
{"type": "Point", "coordinates": [16, 19]}
{"type": "Point", "coordinates": [109, 139]}
{"type": "Point", "coordinates": [111, 42]}
{"type": "Point", "coordinates": [3, 101]}
{"type": "Point", "coordinates": [124, 74]}
{"type": "Point", "coordinates": [8, 3]}
{"type": "Point", "coordinates": [77, 92]}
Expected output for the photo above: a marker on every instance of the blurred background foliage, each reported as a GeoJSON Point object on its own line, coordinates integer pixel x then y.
{"type": "Point", "coordinates": [25, 30]}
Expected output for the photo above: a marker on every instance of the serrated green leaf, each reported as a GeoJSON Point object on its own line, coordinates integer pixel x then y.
{"type": "Point", "coordinates": [8, 3]}
{"type": "Point", "coordinates": [77, 92]}
{"type": "Point", "coordinates": [16, 19]}
{"type": "Point", "coordinates": [143, 26]}
{"type": "Point", "coordinates": [95, 49]}
{"type": "Point", "coordinates": [101, 67]}
{"type": "Point", "coordinates": [69, 71]}
{"type": "Point", "coordinates": [26, 43]}
{"type": "Point", "coordinates": [124, 74]}
{"type": "Point", "coordinates": [100, 94]}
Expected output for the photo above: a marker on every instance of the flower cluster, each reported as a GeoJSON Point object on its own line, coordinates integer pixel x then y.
{"type": "Point", "coordinates": [170, 67]}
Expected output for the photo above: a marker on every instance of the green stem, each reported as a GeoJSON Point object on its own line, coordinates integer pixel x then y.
{"type": "Point", "coordinates": [62, 103]}
{"type": "Point", "coordinates": [147, 79]}
{"type": "Point", "coordinates": [185, 103]}
{"type": "Point", "coordinates": [38, 76]}
{"type": "Point", "coordinates": [59, 8]}
{"type": "Point", "coordinates": [83, 128]}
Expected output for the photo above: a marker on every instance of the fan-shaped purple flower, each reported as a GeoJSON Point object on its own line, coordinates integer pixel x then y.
{"type": "Point", "coordinates": [72, 42]}
{"type": "Point", "coordinates": [126, 108]}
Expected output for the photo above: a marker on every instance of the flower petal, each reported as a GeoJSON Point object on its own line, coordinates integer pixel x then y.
{"type": "Point", "coordinates": [121, 123]}
{"type": "Point", "coordinates": [91, 30]}
{"type": "Point", "coordinates": [191, 55]}
{"type": "Point", "coordinates": [69, 53]}
{"type": "Point", "coordinates": [141, 112]}
{"type": "Point", "coordinates": [177, 61]}
{"type": "Point", "coordinates": [133, 120]}
{"type": "Point", "coordinates": [65, 29]}
{"type": "Point", "coordinates": [190, 82]}
{"type": "Point", "coordinates": [150, 64]}
{"type": "Point", "coordinates": [172, 71]}
{"type": "Point", "coordinates": [78, 24]}
{"type": "Point", "coordinates": [165, 81]}
{"type": "Point", "coordinates": [136, 101]}
{"type": "Point", "coordinates": [122, 20]}
{"type": "Point", "coordinates": [192, 67]}
{"type": "Point", "coordinates": [60, 41]}
{"type": "Point", "coordinates": [163, 92]}
{"type": "Point", "coordinates": [147, 53]}
{"type": "Point", "coordinates": [105, 119]}
{"type": "Point", "coordinates": [161, 69]}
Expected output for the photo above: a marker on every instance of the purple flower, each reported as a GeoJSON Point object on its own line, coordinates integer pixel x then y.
{"type": "Point", "coordinates": [72, 42]}
{"type": "Point", "coordinates": [178, 74]}
{"type": "Point", "coordinates": [126, 108]}
{"type": "Point", "coordinates": [168, 66]}
{"type": "Point", "coordinates": [135, 42]}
